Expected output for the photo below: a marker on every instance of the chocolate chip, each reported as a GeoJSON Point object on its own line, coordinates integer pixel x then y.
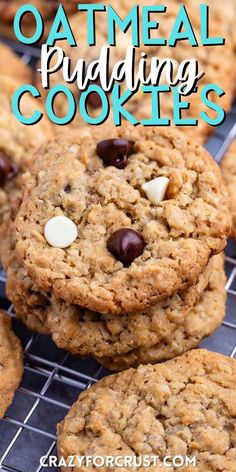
{"type": "Point", "coordinates": [8, 170]}
{"type": "Point", "coordinates": [67, 188]}
{"type": "Point", "coordinates": [115, 152]}
{"type": "Point", "coordinates": [94, 100]}
{"type": "Point", "coordinates": [13, 171]}
{"type": "Point", "coordinates": [15, 208]}
{"type": "Point", "coordinates": [126, 245]}
{"type": "Point", "coordinates": [53, 7]}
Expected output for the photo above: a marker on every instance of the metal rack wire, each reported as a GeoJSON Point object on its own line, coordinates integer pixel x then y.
{"type": "Point", "coordinates": [53, 379]}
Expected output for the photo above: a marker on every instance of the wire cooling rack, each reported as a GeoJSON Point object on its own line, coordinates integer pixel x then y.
{"type": "Point", "coordinates": [53, 379]}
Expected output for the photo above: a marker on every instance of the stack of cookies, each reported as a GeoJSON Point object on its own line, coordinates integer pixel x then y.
{"type": "Point", "coordinates": [115, 248]}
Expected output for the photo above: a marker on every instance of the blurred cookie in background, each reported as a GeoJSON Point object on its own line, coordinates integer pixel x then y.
{"type": "Point", "coordinates": [47, 9]}
{"type": "Point", "coordinates": [218, 12]}
{"type": "Point", "coordinates": [11, 65]}
{"type": "Point", "coordinates": [8, 9]}
{"type": "Point", "coordinates": [17, 142]}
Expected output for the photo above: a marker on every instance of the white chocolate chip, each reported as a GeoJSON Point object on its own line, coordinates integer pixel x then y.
{"type": "Point", "coordinates": [60, 232]}
{"type": "Point", "coordinates": [73, 149]}
{"type": "Point", "coordinates": [156, 189]}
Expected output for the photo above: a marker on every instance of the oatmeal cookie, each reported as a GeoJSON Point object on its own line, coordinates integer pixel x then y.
{"type": "Point", "coordinates": [202, 319]}
{"type": "Point", "coordinates": [129, 247]}
{"type": "Point", "coordinates": [228, 167]}
{"type": "Point", "coordinates": [11, 363]}
{"type": "Point", "coordinates": [184, 407]}
{"type": "Point", "coordinates": [18, 143]}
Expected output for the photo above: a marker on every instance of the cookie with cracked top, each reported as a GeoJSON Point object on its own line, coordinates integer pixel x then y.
{"type": "Point", "coordinates": [174, 238]}
{"type": "Point", "coordinates": [183, 407]}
